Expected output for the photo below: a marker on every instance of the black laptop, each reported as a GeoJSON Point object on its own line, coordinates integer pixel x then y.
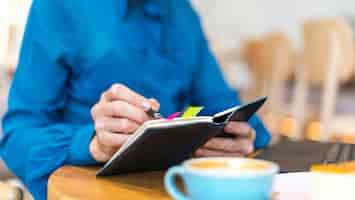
{"type": "Point", "coordinates": [299, 156]}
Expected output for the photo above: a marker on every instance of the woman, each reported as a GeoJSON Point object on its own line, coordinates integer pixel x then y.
{"type": "Point", "coordinates": [89, 70]}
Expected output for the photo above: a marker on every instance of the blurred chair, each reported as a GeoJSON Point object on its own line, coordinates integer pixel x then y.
{"type": "Point", "coordinates": [271, 59]}
{"type": "Point", "coordinates": [13, 48]}
{"type": "Point", "coordinates": [4, 80]}
{"type": "Point", "coordinates": [328, 61]}
{"type": "Point", "coordinates": [4, 47]}
{"type": "Point", "coordinates": [10, 192]}
{"type": "Point", "coordinates": [328, 44]}
{"type": "Point", "coordinates": [7, 50]}
{"type": "Point", "coordinates": [268, 55]}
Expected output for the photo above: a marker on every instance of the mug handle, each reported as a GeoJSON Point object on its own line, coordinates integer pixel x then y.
{"type": "Point", "coordinates": [170, 183]}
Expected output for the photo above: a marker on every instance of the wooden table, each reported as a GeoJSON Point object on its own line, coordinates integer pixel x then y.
{"type": "Point", "coordinates": [71, 183]}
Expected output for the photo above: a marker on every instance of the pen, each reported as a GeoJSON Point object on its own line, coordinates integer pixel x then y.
{"type": "Point", "coordinates": [154, 114]}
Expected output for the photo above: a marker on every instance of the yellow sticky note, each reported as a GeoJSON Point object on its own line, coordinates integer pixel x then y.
{"type": "Point", "coordinates": [191, 111]}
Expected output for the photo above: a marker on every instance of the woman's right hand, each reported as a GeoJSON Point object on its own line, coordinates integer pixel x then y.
{"type": "Point", "coordinates": [119, 112]}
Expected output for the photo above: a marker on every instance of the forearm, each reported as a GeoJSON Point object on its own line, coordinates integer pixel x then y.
{"type": "Point", "coordinates": [33, 153]}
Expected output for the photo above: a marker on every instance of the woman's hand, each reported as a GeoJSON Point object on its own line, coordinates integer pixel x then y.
{"type": "Point", "coordinates": [118, 114]}
{"type": "Point", "coordinates": [241, 145]}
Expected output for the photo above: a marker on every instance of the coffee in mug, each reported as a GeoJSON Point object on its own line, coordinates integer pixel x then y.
{"type": "Point", "coordinates": [222, 178]}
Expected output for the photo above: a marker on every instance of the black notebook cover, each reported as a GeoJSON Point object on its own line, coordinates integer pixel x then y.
{"type": "Point", "coordinates": [160, 145]}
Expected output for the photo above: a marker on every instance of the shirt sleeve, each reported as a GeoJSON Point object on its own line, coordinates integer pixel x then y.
{"type": "Point", "coordinates": [210, 89]}
{"type": "Point", "coordinates": [36, 140]}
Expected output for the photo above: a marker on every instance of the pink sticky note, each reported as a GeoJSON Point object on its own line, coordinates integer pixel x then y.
{"type": "Point", "coordinates": [173, 116]}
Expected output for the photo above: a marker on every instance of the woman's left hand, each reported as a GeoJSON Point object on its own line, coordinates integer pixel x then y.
{"type": "Point", "coordinates": [241, 145]}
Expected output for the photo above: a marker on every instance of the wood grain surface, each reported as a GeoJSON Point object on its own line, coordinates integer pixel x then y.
{"type": "Point", "coordinates": [71, 183]}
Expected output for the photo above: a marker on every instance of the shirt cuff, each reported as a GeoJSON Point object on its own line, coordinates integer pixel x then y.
{"type": "Point", "coordinates": [263, 136]}
{"type": "Point", "coordinates": [80, 146]}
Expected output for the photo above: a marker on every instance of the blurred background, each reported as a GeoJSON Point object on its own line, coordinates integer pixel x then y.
{"type": "Point", "coordinates": [299, 53]}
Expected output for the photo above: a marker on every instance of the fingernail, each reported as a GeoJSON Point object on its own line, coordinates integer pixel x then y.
{"type": "Point", "coordinates": [116, 91]}
{"type": "Point", "coordinates": [250, 149]}
{"type": "Point", "coordinates": [146, 105]}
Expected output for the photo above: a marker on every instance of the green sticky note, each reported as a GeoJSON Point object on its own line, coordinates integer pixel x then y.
{"type": "Point", "coordinates": [191, 111]}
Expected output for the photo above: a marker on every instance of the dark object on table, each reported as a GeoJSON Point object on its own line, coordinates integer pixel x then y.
{"type": "Point", "coordinates": [340, 153]}
{"type": "Point", "coordinates": [299, 156]}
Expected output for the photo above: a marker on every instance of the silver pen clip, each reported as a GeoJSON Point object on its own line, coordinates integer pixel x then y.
{"type": "Point", "coordinates": [154, 114]}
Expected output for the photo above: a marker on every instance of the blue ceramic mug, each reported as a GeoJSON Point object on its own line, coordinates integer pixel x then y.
{"type": "Point", "coordinates": [222, 179]}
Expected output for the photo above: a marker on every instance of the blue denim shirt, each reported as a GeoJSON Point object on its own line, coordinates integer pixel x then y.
{"type": "Point", "coordinates": [72, 51]}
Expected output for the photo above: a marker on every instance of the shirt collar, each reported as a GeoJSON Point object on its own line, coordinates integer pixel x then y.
{"type": "Point", "coordinates": [153, 7]}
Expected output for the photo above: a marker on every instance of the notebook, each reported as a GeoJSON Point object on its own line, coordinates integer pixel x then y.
{"type": "Point", "coordinates": [160, 144]}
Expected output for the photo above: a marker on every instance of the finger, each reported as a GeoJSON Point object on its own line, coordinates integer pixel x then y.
{"type": "Point", "coordinates": [155, 104]}
{"type": "Point", "coordinates": [242, 129]}
{"type": "Point", "coordinates": [253, 135]}
{"type": "Point", "coordinates": [124, 110]}
{"type": "Point", "coordinates": [111, 140]}
{"type": "Point", "coordinates": [106, 152]}
{"type": "Point", "coordinates": [238, 145]}
{"type": "Point", "coordinates": [99, 152]}
{"type": "Point", "coordinates": [116, 125]}
{"type": "Point", "coordinates": [202, 152]}
{"type": "Point", "coordinates": [123, 93]}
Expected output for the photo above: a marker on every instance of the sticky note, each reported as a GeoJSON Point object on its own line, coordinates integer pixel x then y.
{"type": "Point", "coordinates": [191, 111]}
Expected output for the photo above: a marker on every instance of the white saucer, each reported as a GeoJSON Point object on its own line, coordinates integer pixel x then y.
{"type": "Point", "coordinates": [292, 186]}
